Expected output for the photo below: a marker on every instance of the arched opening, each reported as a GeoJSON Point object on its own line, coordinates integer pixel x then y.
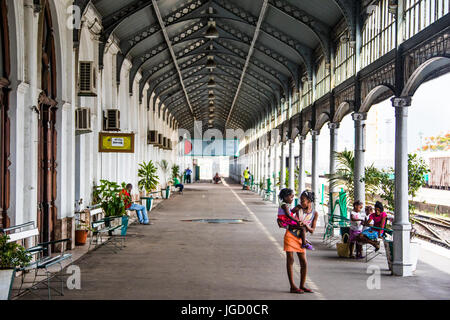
{"type": "Point", "coordinates": [428, 133]}
{"type": "Point", "coordinates": [377, 94]}
{"type": "Point", "coordinates": [424, 72]}
{"type": "Point", "coordinates": [4, 119]}
{"type": "Point", "coordinates": [47, 139]}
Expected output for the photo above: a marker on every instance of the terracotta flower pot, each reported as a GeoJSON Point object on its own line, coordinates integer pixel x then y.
{"type": "Point", "coordinates": [80, 237]}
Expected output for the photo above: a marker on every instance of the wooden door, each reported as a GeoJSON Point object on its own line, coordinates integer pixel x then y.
{"type": "Point", "coordinates": [4, 120]}
{"type": "Point", "coordinates": [47, 140]}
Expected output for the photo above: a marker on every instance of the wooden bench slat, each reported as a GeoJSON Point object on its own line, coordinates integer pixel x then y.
{"type": "Point", "coordinates": [93, 212]}
{"type": "Point", "coordinates": [23, 235]}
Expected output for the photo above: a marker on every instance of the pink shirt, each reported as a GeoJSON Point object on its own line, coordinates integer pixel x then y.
{"type": "Point", "coordinates": [377, 221]}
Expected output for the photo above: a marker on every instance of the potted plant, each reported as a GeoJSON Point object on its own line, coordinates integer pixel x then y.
{"type": "Point", "coordinates": [112, 201]}
{"type": "Point", "coordinates": [175, 171]}
{"type": "Point", "coordinates": [164, 166]}
{"type": "Point", "coordinates": [12, 256]}
{"type": "Point", "coordinates": [81, 233]}
{"type": "Point", "coordinates": [148, 180]}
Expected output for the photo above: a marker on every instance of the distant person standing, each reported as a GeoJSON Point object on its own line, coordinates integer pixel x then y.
{"type": "Point", "coordinates": [188, 175]}
{"type": "Point", "coordinates": [246, 178]}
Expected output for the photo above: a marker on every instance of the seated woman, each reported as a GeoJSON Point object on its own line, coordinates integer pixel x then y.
{"type": "Point", "coordinates": [177, 184]}
{"type": "Point", "coordinates": [371, 235]}
{"type": "Point", "coordinates": [216, 178]}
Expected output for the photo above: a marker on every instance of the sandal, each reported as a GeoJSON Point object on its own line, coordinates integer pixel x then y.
{"type": "Point", "coordinates": [307, 290]}
{"type": "Point", "coordinates": [295, 290]}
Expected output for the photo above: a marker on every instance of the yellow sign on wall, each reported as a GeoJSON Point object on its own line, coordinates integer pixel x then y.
{"type": "Point", "coordinates": [116, 142]}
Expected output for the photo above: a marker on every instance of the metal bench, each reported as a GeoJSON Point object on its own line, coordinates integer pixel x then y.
{"type": "Point", "coordinates": [41, 259]}
{"type": "Point", "coordinates": [268, 191]}
{"type": "Point", "coordinates": [104, 228]}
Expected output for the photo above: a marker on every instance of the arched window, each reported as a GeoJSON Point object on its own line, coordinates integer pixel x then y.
{"type": "Point", "coordinates": [419, 14]}
{"type": "Point", "coordinates": [322, 79]}
{"type": "Point", "coordinates": [378, 36]}
{"type": "Point", "coordinates": [306, 98]}
{"type": "Point", "coordinates": [344, 61]}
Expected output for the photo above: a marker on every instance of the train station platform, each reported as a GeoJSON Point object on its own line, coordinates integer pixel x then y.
{"type": "Point", "coordinates": [179, 259]}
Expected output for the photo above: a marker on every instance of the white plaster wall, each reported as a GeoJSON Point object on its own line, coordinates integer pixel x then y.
{"type": "Point", "coordinates": [93, 166]}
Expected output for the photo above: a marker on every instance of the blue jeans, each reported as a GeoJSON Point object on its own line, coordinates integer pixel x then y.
{"type": "Point", "coordinates": [141, 212]}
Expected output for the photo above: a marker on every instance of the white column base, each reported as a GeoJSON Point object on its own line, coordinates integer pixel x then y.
{"type": "Point", "coordinates": [275, 195]}
{"type": "Point", "coordinates": [402, 264]}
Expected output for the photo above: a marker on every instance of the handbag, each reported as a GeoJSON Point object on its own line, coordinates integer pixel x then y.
{"type": "Point", "coordinates": [343, 248]}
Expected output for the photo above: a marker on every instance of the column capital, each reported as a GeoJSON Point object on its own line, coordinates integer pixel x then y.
{"type": "Point", "coordinates": [333, 125]}
{"type": "Point", "coordinates": [315, 132]}
{"type": "Point", "coordinates": [401, 101]}
{"type": "Point", "coordinates": [359, 116]}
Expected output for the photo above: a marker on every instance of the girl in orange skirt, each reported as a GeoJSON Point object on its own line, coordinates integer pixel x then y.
{"type": "Point", "coordinates": [293, 243]}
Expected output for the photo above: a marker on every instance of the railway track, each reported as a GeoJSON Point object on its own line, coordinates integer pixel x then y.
{"type": "Point", "coordinates": [433, 229]}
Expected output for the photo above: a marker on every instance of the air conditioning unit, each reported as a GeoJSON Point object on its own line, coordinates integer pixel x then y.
{"type": "Point", "coordinates": [87, 79]}
{"type": "Point", "coordinates": [111, 120]}
{"type": "Point", "coordinates": [152, 137]}
{"type": "Point", "coordinates": [160, 140]}
{"type": "Point", "coordinates": [82, 121]}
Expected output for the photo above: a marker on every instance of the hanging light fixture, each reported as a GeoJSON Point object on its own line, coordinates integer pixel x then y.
{"type": "Point", "coordinates": [211, 64]}
{"type": "Point", "coordinates": [211, 95]}
{"type": "Point", "coordinates": [211, 83]}
{"type": "Point", "coordinates": [211, 32]}
{"type": "Point", "coordinates": [393, 6]}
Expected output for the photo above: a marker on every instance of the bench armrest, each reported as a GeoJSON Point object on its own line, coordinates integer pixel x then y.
{"type": "Point", "coordinates": [35, 249]}
{"type": "Point", "coordinates": [46, 244]}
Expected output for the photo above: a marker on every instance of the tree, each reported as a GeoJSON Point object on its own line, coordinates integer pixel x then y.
{"type": "Point", "coordinates": [417, 169]}
{"type": "Point", "coordinates": [345, 175]}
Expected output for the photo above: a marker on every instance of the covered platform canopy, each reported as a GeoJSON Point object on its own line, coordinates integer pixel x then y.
{"type": "Point", "coordinates": [259, 52]}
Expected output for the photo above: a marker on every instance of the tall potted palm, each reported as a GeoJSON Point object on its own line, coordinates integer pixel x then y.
{"type": "Point", "coordinates": [164, 166]}
{"type": "Point", "coordinates": [12, 256]}
{"type": "Point", "coordinates": [175, 171]}
{"type": "Point", "coordinates": [148, 180]}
